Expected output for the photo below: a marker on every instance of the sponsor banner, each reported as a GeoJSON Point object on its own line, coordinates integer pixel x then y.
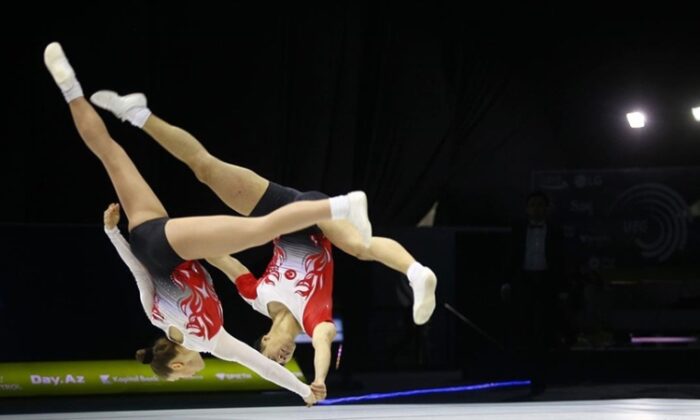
{"type": "Point", "coordinates": [620, 219]}
{"type": "Point", "coordinates": [124, 376]}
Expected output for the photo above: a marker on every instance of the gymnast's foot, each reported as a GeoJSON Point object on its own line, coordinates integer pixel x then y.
{"type": "Point", "coordinates": [132, 107]}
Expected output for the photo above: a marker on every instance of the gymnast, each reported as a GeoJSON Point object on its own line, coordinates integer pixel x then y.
{"type": "Point", "coordinates": [295, 291]}
{"type": "Point", "coordinates": [176, 291]}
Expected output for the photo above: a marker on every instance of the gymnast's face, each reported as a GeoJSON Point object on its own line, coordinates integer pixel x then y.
{"type": "Point", "coordinates": [277, 347]}
{"type": "Point", "coordinates": [186, 364]}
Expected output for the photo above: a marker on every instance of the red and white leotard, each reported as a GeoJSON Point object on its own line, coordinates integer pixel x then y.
{"type": "Point", "coordinates": [299, 276]}
{"type": "Point", "coordinates": [188, 302]}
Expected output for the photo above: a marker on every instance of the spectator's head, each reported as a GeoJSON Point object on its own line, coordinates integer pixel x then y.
{"type": "Point", "coordinates": [537, 206]}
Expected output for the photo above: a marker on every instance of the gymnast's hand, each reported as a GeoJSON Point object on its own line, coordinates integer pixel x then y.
{"type": "Point", "coordinates": [111, 216]}
{"type": "Point", "coordinates": [310, 399]}
{"type": "Point", "coordinates": [318, 388]}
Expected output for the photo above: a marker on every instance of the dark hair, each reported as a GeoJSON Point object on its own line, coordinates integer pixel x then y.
{"type": "Point", "coordinates": [159, 356]}
{"type": "Point", "coordinates": [538, 194]}
{"type": "Point", "coordinates": [259, 345]}
{"type": "Point", "coordinates": [145, 356]}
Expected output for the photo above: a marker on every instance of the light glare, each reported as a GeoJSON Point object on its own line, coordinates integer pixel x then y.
{"type": "Point", "coordinates": [636, 119]}
{"type": "Point", "coordinates": [696, 113]}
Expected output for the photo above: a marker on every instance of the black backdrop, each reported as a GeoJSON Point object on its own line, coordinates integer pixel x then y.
{"type": "Point", "coordinates": [412, 101]}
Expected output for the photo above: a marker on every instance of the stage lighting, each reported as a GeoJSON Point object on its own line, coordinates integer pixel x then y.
{"type": "Point", "coordinates": [636, 119]}
{"type": "Point", "coordinates": [696, 113]}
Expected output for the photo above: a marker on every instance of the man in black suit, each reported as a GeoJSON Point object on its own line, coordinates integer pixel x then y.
{"type": "Point", "coordinates": [536, 284]}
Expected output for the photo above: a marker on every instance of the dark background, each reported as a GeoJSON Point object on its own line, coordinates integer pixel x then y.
{"type": "Point", "coordinates": [413, 102]}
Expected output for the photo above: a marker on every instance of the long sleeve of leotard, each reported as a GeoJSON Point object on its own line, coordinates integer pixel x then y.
{"type": "Point", "coordinates": [231, 349]}
{"type": "Point", "coordinates": [141, 274]}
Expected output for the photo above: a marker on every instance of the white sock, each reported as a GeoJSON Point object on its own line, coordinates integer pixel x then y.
{"type": "Point", "coordinates": [414, 271]}
{"type": "Point", "coordinates": [73, 92]}
{"type": "Point", "coordinates": [340, 207]}
{"type": "Point", "coordinates": [138, 116]}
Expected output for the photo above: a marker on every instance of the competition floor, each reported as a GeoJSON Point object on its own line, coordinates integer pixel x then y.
{"type": "Point", "coordinates": [584, 401]}
{"type": "Point", "coordinates": [634, 409]}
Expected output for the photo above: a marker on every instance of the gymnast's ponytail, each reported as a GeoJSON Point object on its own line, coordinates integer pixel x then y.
{"type": "Point", "coordinates": [159, 357]}
{"type": "Point", "coordinates": [145, 356]}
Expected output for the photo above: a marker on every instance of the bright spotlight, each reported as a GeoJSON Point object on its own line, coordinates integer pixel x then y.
{"type": "Point", "coordinates": [696, 113]}
{"type": "Point", "coordinates": [636, 119]}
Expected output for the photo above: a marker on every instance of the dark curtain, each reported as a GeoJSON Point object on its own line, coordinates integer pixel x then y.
{"type": "Point", "coordinates": [414, 102]}
{"type": "Point", "coordinates": [350, 95]}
